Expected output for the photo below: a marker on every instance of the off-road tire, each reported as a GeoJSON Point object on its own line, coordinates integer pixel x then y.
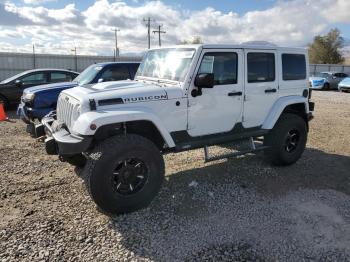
{"type": "Point", "coordinates": [278, 140]}
{"type": "Point", "coordinates": [77, 160]}
{"type": "Point", "coordinates": [99, 173]}
{"type": "Point", "coordinates": [5, 101]}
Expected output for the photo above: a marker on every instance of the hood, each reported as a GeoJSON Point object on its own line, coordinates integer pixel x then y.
{"type": "Point", "coordinates": [128, 91]}
{"type": "Point", "coordinates": [36, 89]}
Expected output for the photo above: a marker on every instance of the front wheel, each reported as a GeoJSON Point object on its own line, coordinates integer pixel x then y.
{"type": "Point", "coordinates": [124, 173]}
{"type": "Point", "coordinates": [287, 140]}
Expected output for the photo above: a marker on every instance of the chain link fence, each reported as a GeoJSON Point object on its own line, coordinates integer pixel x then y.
{"type": "Point", "coordinates": [14, 63]}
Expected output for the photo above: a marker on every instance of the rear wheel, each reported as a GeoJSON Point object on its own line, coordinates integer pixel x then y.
{"type": "Point", "coordinates": [287, 140]}
{"type": "Point", "coordinates": [326, 86]}
{"type": "Point", "coordinates": [124, 173]}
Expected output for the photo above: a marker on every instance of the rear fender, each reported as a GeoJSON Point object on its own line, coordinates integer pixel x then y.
{"type": "Point", "coordinates": [279, 107]}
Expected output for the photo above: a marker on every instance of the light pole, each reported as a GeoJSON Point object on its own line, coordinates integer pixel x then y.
{"type": "Point", "coordinates": [34, 62]}
{"type": "Point", "coordinates": [75, 58]}
{"type": "Point", "coordinates": [116, 30]}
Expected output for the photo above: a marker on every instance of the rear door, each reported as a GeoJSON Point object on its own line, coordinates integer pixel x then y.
{"type": "Point", "coordinates": [218, 109]}
{"type": "Point", "coordinates": [261, 85]}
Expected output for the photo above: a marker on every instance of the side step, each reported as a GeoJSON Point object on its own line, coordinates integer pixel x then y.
{"type": "Point", "coordinates": [252, 147]}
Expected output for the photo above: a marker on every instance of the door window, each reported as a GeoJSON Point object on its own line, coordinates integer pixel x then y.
{"type": "Point", "coordinates": [261, 67]}
{"type": "Point", "coordinates": [293, 67]}
{"type": "Point", "coordinates": [116, 74]}
{"type": "Point", "coordinates": [34, 79]}
{"type": "Point", "coordinates": [222, 65]}
{"type": "Point", "coordinates": [60, 77]}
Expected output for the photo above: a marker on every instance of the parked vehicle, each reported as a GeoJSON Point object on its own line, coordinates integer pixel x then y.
{"type": "Point", "coordinates": [12, 88]}
{"type": "Point", "coordinates": [326, 80]}
{"type": "Point", "coordinates": [38, 101]}
{"type": "Point", "coordinates": [182, 98]}
{"type": "Point", "coordinates": [344, 86]}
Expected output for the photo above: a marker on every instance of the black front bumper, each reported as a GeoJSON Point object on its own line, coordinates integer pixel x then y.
{"type": "Point", "coordinates": [59, 141]}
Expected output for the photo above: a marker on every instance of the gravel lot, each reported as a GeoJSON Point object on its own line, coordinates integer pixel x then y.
{"type": "Point", "coordinates": [241, 209]}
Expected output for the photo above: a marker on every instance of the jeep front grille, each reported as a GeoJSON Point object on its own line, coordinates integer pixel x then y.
{"type": "Point", "coordinates": [65, 109]}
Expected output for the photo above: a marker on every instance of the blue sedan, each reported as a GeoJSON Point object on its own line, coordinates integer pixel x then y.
{"type": "Point", "coordinates": [38, 101]}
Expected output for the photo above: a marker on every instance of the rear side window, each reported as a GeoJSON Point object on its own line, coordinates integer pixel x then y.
{"type": "Point", "coordinates": [60, 77]}
{"type": "Point", "coordinates": [261, 67]}
{"type": "Point", "coordinates": [293, 67]}
{"type": "Point", "coordinates": [222, 65]}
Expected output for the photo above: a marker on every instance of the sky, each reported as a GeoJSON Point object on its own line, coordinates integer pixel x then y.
{"type": "Point", "coordinates": [57, 26]}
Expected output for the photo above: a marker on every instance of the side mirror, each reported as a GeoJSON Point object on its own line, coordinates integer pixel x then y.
{"type": "Point", "coordinates": [204, 81]}
{"type": "Point", "coordinates": [100, 80]}
{"type": "Point", "coordinates": [18, 83]}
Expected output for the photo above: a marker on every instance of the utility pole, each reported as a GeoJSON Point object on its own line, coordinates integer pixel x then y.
{"type": "Point", "coordinates": [159, 32]}
{"type": "Point", "coordinates": [116, 30]}
{"type": "Point", "coordinates": [148, 24]}
{"type": "Point", "coordinates": [34, 62]}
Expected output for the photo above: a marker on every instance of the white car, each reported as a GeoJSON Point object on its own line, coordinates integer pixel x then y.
{"type": "Point", "coordinates": [182, 98]}
{"type": "Point", "coordinates": [344, 86]}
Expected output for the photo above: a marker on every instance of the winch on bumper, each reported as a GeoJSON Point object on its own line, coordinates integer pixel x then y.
{"type": "Point", "coordinates": [59, 141]}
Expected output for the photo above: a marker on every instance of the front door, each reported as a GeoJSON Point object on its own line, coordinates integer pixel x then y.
{"type": "Point", "coordinates": [261, 86]}
{"type": "Point", "coordinates": [32, 79]}
{"type": "Point", "coordinates": [218, 109]}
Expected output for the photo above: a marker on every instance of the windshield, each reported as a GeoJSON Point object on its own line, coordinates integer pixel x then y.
{"type": "Point", "coordinates": [322, 75]}
{"type": "Point", "coordinates": [167, 64]}
{"type": "Point", "coordinates": [88, 75]}
{"type": "Point", "coordinates": [8, 80]}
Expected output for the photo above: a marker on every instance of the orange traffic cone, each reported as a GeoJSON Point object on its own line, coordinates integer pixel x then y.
{"type": "Point", "coordinates": [3, 116]}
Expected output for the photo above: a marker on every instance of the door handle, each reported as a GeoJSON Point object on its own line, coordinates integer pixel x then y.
{"type": "Point", "coordinates": [273, 90]}
{"type": "Point", "coordinates": [235, 94]}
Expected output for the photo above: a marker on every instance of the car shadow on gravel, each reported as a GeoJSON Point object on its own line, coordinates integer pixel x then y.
{"type": "Point", "coordinates": [204, 210]}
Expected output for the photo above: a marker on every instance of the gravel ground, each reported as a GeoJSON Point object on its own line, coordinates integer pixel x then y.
{"type": "Point", "coordinates": [237, 210]}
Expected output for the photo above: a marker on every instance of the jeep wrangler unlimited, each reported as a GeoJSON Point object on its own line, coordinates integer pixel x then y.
{"type": "Point", "coordinates": [182, 98]}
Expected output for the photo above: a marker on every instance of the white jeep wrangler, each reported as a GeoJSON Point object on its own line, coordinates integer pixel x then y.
{"type": "Point", "coordinates": [182, 98]}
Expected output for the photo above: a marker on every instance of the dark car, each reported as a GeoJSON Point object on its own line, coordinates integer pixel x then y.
{"type": "Point", "coordinates": [12, 88]}
{"type": "Point", "coordinates": [38, 101]}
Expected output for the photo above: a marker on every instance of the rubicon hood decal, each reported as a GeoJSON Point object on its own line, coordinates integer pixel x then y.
{"type": "Point", "coordinates": [145, 98]}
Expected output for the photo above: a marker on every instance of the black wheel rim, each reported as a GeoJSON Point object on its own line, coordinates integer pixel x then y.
{"type": "Point", "coordinates": [292, 141]}
{"type": "Point", "coordinates": [130, 176]}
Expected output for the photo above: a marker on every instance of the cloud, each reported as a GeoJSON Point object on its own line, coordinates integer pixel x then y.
{"type": "Point", "coordinates": [291, 23]}
{"type": "Point", "coordinates": [37, 2]}
{"type": "Point", "coordinates": [11, 19]}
